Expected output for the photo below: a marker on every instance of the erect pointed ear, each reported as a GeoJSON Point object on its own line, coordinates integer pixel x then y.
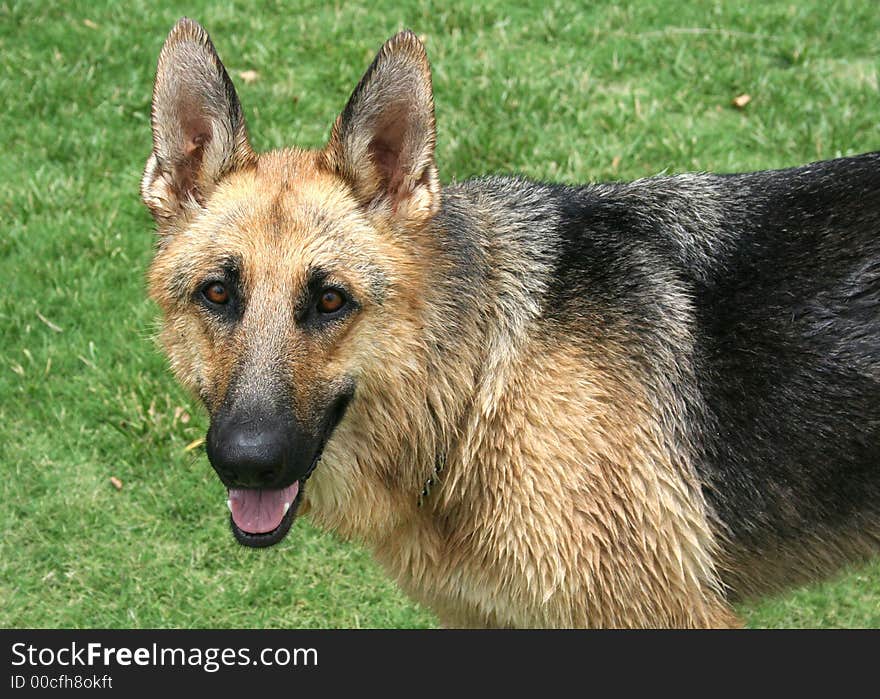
{"type": "Point", "coordinates": [199, 133]}
{"type": "Point", "coordinates": [383, 142]}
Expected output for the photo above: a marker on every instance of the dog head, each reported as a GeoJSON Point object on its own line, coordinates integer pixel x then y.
{"type": "Point", "coordinates": [290, 280]}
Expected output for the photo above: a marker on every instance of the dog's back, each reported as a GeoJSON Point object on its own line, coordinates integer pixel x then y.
{"type": "Point", "coordinates": [751, 305]}
{"type": "Point", "coordinates": [789, 357]}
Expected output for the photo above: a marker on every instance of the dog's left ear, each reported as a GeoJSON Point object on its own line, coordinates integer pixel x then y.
{"type": "Point", "coordinates": [383, 142]}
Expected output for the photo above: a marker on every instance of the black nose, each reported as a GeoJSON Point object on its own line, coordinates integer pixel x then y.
{"type": "Point", "coordinates": [249, 452]}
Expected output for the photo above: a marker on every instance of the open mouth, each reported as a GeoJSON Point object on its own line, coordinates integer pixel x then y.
{"type": "Point", "coordinates": [261, 517]}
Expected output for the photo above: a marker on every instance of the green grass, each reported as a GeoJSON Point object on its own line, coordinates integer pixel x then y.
{"type": "Point", "coordinates": [605, 92]}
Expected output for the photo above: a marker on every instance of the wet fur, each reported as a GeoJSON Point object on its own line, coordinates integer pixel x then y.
{"type": "Point", "coordinates": [635, 402]}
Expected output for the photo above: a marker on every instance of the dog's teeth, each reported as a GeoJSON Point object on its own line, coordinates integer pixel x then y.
{"type": "Point", "coordinates": [229, 505]}
{"type": "Point", "coordinates": [286, 507]}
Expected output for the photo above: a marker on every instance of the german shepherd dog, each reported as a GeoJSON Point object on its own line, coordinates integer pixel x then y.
{"type": "Point", "coordinates": [623, 405]}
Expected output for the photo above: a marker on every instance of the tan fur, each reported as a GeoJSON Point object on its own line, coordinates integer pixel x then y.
{"type": "Point", "coordinates": [560, 503]}
{"type": "Point", "coordinates": [559, 509]}
{"type": "Point", "coordinates": [783, 563]}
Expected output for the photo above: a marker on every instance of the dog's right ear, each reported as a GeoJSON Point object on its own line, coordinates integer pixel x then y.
{"type": "Point", "coordinates": [199, 134]}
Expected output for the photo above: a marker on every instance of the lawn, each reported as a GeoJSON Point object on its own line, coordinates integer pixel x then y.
{"type": "Point", "coordinates": [607, 91]}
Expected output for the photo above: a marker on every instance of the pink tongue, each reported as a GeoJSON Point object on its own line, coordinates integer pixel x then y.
{"type": "Point", "coordinates": [260, 511]}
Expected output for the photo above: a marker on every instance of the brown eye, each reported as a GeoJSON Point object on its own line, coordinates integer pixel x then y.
{"type": "Point", "coordinates": [331, 300]}
{"type": "Point", "coordinates": [216, 292]}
